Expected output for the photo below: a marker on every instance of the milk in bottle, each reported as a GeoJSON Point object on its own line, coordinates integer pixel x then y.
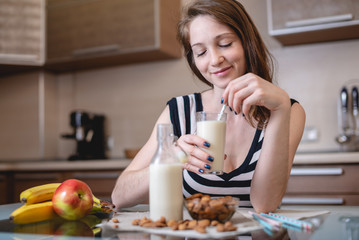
{"type": "Point", "coordinates": [166, 197]}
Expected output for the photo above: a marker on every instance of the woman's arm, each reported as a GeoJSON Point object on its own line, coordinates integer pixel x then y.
{"type": "Point", "coordinates": [132, 186]}
{"type": "Point", "coordinates": [283, 134]}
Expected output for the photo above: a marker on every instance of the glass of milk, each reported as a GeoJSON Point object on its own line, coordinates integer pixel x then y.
{"type": "Point", "coordinates": [212, 128]}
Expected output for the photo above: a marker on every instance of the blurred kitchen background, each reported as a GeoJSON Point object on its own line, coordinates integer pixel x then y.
{"type": "Point", "coordinates": [72, 71]}
{"type": "Point", "coordinates": [36, 105]}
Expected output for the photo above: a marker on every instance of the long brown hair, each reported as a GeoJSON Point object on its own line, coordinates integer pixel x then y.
{"type": "Point", "coordinates": [231, 13]}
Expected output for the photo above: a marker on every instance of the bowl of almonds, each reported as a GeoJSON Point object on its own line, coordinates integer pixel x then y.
{"type": "Point", "coordinates": [201, 206]}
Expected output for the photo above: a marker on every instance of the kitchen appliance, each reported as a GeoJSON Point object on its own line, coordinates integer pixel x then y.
{"type": "Point", "coordinates": [348, 116]}
{"type": "Point", "coordinates": [89, 134]}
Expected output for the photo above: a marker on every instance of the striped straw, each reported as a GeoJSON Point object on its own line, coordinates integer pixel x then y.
{"type": "Point", "coordinates": [289, 221]}
{"type": "Point", "coordinates": [221, 113]}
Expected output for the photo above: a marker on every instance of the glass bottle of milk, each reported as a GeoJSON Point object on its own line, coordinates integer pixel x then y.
{"type": "Point", "coordinates": [166, 197]}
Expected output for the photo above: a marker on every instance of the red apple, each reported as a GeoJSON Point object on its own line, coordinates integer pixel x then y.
{"type": "Point", "coordinates": [74, 228]}
{"type": "Point", "coordinates": [72, 200]}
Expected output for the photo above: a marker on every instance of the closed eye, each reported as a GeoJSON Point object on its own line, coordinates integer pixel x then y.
{"type": "Point", "coordinates": [200, 54]}
{"type": "Point", "coordinates": [225, 45]}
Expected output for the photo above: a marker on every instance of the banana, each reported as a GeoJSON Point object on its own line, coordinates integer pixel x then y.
{"type": "Point", "coordinates": [96, 231]}
{"type": "Point", "coordinates": [39, 193]}
{"type": "Point", "coordinates": [43, 227]}
{"type": "Point", "coordinates": [96, 200]}
{"type": "Point", "coordinates": [91, 220]}
{"type": "Point", "coordinates": [33, 213]}
{"type": "Point", "coordinates": [44, 193]}
{"type": "Point", "coordinates": [96, 208]}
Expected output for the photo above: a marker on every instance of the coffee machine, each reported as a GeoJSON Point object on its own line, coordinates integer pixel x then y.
{"type": "Point", "coordinates": [89, 134]}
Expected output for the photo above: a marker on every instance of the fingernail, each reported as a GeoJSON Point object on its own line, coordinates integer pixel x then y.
{"type": "Point", "coordinates": [235, 113]}
{"type": "Point", "coordinates": [206, 144]}
{"type": "Point", "coordinates": [243, 115]}
{"type": "Point", "coordinates": [201, 171]}
{"type": "Point", "coordinates": [230, 109]}
{"type": "Point", "coordinates": [222, 100]}
{"type": "Point", "coordinates": [210, 158]}
{"type": "Point", "coordinates": [207, 166]}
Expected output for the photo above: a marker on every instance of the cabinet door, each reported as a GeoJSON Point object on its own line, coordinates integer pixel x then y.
{"type": "Point", "coordinates": [22, 31]}
{"type": "Point", "coordinates": [80, 31]}
{"type": "Point", "coordinates": [287, 12]}
{"type": "Point", "coordinates": [3, 189]}
{"type": "Point", "coordinates": [325, 179]}
{"type": "Point", "coordinates": [323, 184]}
{"type": "Point", "coordinates": [307, 21]}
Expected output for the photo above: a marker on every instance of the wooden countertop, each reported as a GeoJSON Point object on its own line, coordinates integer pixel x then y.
{"type": "Point", "coordinates": [64, 165]}
{"type": "Point", "coordinates": [114, 164]}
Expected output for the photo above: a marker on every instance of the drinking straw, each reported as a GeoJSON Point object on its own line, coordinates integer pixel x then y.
{"type": "Point", "coordinates": [272, 222]}
{"type": "Point", "coordinates": [264, 223]}
{"type": "Point", "coordinates": [289, 221]}
{"type": "Point", "coordinates": [268, 223]}
{"type": "Point", "coordinates": [221, 113]}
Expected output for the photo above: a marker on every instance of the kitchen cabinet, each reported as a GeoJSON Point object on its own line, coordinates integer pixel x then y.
{"type": "Point", "coordinates": [3, 184]}
{"type": "Point", "coordinates": [66, 35]}
{"type": "Point", "coordinates": [97, 33]}
{"type": "Point", "coordinates": [332, 184]}
{"type": "Point", "coordinates": [22, 29]}
{"type": "Point", "coordinates": [101, 182]}
{"type": "Point", "coordinates": [294, 22]}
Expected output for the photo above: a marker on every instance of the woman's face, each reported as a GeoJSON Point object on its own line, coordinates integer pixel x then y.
{"type": "Point", "coordinates": [217, 51]}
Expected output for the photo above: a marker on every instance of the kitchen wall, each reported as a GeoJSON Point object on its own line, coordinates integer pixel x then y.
{"type": "Point", "coordinates": [133, 96]}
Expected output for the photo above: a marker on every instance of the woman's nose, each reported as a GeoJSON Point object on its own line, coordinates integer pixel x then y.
{"type": "Point", "coordinates": [216, 59]}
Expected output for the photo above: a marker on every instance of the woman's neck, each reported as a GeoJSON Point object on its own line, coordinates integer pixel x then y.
{"type": "Point", "coordinates": [211, 99]}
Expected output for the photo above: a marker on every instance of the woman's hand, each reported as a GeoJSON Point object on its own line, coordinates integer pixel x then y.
{"type": "Point", "coordinates": [249, 89]}
{"type": "Point", "coordinates": [198, 160]}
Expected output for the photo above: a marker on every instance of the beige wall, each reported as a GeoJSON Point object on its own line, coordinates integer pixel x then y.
{"type": "Point", "coordinates": [28, 116]}
{"type": "Point", "coordinates": [133, 96]}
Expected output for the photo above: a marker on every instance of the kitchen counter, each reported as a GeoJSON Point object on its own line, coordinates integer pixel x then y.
{"type": "Point", "coordinates": [64, 165]}
{"type": "Point", "coordinates": [326, 158]}
{"type": "Point", "coordinates": [341, 223]}
{"type": "Point", "coordinates": [122, 163]}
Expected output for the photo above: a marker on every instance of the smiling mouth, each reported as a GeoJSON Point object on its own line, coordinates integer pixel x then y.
{"type": "Point", "coordinates": [221, 70]}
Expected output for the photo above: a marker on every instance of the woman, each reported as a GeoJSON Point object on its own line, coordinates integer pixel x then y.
{"type": "Point", "coordinates": [264, 126]}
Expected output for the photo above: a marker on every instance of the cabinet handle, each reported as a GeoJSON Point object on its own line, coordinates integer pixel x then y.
{"type": "Point", "coordinates": [25, 57]}
{"type": "Point", "coordinates": [96, 175]}
{"type": "Point", "coordinates": [299, 200]}
{"type": "Point", "coordinates": [316, 171]}
{"type": "Point", "coordinates": [48, 176]}
{"type": "Point", "coordinates": [95, 50]}
{"type": "Point", "coordinates": [320, 20]}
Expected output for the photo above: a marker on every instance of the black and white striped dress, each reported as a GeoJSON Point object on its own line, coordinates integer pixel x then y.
{"type": "Point", "coordinates": [236, 183]}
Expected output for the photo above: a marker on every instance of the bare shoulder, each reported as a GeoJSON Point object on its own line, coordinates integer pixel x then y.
{"type": "Point", "coordinates": [298, 112]}
{"type": "Point", "coordinates": [297, 124]}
